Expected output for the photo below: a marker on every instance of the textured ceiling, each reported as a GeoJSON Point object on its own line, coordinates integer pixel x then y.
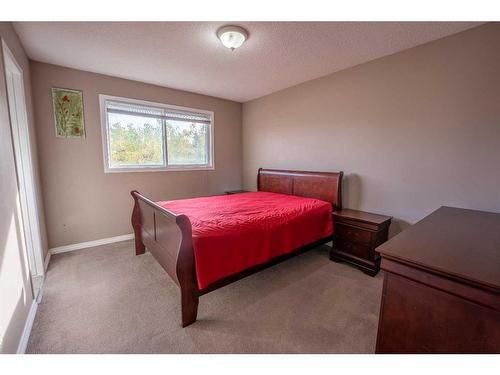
{"type": "Point", "coordinates": [188, 55]}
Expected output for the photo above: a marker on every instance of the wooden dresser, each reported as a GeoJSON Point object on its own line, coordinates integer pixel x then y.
{"type": "Point", "coordinates": [356, 235]}
{"type": "Point", "coordinates": [441, 290]}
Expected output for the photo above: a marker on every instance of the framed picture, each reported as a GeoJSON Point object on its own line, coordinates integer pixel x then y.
{"type": "Point", "coordinates": [68, 113]}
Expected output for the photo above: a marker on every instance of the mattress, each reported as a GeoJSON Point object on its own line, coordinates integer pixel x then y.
{"type": "Point", "coordinates": [232, 233]}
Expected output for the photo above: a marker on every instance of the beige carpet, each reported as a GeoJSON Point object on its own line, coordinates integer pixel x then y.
{"type": "Point", "coordinates": [107, 300]}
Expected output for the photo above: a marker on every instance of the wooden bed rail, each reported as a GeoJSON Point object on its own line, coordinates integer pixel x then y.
{"type": "Point", "coordinates": [168, 238]}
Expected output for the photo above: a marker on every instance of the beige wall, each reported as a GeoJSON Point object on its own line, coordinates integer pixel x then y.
{"type": "Point", "coordinates": [16, 295]}
{"type": "Point", "coordinates": [82, 202]}
{"type": "Point", "coordinates": [412, 131]}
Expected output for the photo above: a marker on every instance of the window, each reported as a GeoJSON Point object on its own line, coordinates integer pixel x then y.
{"type": "Point", "coordinates": [144, 136]}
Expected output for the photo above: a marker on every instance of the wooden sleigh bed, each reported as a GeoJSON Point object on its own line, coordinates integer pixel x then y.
{"type": "Point", "coordinates": [168, 235]}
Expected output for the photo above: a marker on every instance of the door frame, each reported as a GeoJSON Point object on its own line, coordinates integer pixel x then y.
{"type": "Point", "coordinates": [14, 77]}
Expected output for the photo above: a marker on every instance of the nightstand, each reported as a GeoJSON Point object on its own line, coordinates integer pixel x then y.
{"type": "Point", "coordinates": [356, 235]}
{"type": "Point", "coordinates": [229, 192]}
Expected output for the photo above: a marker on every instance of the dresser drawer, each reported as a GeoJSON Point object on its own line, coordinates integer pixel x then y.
{"type": "Point", "coordinates": [353, 248]}
{"type": "Point", "coordinates": [353, 234]}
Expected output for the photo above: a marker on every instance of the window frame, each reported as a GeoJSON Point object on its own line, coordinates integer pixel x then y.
{"type": "Point", "coordinates": [154, 168]}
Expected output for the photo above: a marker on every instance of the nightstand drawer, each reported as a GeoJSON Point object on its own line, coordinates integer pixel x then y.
{"type": "Point", "coordinates": [349, 233]}
{"type": "Point", "coordinates": [353, 248]}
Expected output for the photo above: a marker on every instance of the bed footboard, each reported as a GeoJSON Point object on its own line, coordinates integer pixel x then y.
{"type": "Point", "coordinates": [168, 237]}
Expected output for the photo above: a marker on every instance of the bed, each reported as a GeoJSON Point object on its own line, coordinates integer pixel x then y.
{"type": "Point", "coordinates": [206, 243]}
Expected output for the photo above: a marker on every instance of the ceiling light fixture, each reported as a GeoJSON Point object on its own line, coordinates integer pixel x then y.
{"type": "Point", "coordinates": [232, 36]}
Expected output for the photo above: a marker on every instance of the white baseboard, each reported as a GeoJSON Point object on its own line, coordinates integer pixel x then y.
{"type": "Point", "coordinates": [23, 342]}
{"type": "Point", "coordinates": [47, 260]}
{"type": "Point", "coordinates": [84, 245]}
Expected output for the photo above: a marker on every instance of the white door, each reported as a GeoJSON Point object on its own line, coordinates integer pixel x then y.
{"type": "Point", "coordinates": [24, 166]}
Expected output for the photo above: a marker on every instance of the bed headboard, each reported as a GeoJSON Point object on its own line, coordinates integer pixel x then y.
{"type": "Point", "coordinates": [320, 185]}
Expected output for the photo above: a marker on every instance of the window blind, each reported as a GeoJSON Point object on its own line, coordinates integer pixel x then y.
{"type": "Point", "coordinates": [156, 112]}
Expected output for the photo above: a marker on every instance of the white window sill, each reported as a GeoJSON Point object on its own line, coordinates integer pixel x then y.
{"type": "Point", "coordinates": [156, 169]}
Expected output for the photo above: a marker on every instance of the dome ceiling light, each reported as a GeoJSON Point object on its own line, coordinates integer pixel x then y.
{"type": "Point", "coordinates": [232, 37]}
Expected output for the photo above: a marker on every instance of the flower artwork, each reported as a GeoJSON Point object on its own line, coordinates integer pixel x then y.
{"type": "Point", "coordinates": [68, 113]}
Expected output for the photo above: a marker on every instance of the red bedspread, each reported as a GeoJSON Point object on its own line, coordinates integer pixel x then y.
{"type": "Point", "coordinates": [234, 232]}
